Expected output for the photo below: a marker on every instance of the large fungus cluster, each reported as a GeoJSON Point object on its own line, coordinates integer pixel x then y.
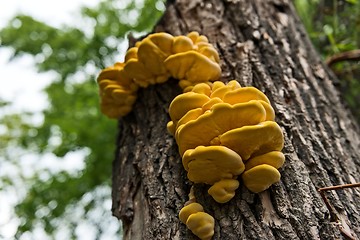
{"type": "Point", "coordinates": [159, 56]}
{"type": "Point", "coordinates": [223, 131]}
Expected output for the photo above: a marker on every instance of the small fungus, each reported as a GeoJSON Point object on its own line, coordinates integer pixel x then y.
{"type": "Point", "coordinates": [261, 171]}
{"type": "Point", "coordinates": [192, 66]}
{"type": "Point", "coordinates": [260, 178]}
{"type": "Point", "coordinates": [224, 190]}
{"type": "Point", "coordinates": [147, 65]}
{"type": "Point", "coordinates": [244, 94]}
{"type": "Point", "coordinates": [219, 91]}
{"type": "Point", "coordinates": [217, 166]}
{"type": "Point", "coordinates": [189, 209]}
{"type": "Point", "coordinates": [200, 223]}
{"type": "Point", "coordinates": [274, 158]}
{"type": "Point", "coordinates": [254, 140]}
{"type": "Point", "coordinates": [117, 92]}
{"type": "Point", "coordinates": [212, 164]}
{"type": "Point", "coordinates": [182, 44]}
{"type": "Point", "coordinates": [186, 102]}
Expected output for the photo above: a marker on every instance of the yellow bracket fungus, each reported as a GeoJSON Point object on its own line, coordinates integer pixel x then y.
{"type": "Point", "coordinates": [208, 128]}
{"type": "Point", "coordinates": [116, 90]}
{"type": "Point", "coordinates": [260, 178]}
{"type": "Point", "coordinates": [200, 223]}
{"type": "Point", "coordinates": [192, 66]}
{"type": "Point", "coordinates": [223, 131]}
{"type": "Point", "coordinates": [254, 140]}
{"type": "Point", "coordinates": [214, 122]}
{"type": "Point", "coordinates": [224, 190]}
{"type": "Point", "coordinates": [159, 56]}
{"type": "Point", "coordinates": [274, 158]}
{"type": "Point", "coordinates": [212, 164]}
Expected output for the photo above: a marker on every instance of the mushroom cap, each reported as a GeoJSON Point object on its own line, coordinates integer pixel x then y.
{"type": "Point", "coordinates": [123, 96]}
{"type": "Point", "coordinates": [196, 38]}
{"type": "Point", "coordinates": [189, 116]}
{"type": "Point", "coordinates": [139, 73]}
{"type": "Point", "coordinates": [219, 91]}
{"type": "Point", "coordinates": [162, 40]}
{"type": "Point", "coordinates": [202, 45]}
{"type": "Point", "coordinates": [211, 164]}
{"type": "Point", "coordinates": [118, 74]}
{"type": "Point", "coordinates": [213, 101]}
{"type": "Point", "coordinates": [270, 113]}
{"type": "Point", "coordinates": [117, 96]}
{"type": "Point", "coordinates": [274, 158]}
{"type": "Point", "coordinates": [186, 102]}
{"type": "Point", "coordinates": [260, 178]}
{"type": "Point", "coordinates": [202, 88]}
{"type": "Point", "coordinates": [181, 44]}
{"type": "Point", "coordinates": [152, 56]}
{"type": "Point", "coordinates": [244, 94]}
{"type": "Point", "coordinates": [131, 53]}
{"type": "Point", "coordinates": [209, 51]}
{"type": "Point", "coordinates": [111, 73]}
{"type": "Point", "coordinates": [254, 140]}
{"type": "Point", "coordinates": [216, 85]}
{"type": "Point", "coordinates": [224, 190]}
{"type": "Point", "coordinates": [189, 209]}
{"type": "Point", "coordinates": [207, 128]}
{"type": "Point", "coordinates": [145, 63]}
{"type": "Point", "coordinates": [201, 224]}
{"type": "Point", "coordinates": [192, 66]}
{"type": "Point", "coordinates": [112, 110]}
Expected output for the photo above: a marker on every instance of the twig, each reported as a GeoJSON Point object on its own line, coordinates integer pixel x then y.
{"type": "Point", "coordinates": [352, 55]}
{"type": "Point", "coordinates": [352, 185]}
{"type": "Point", "coordinates": [333, 215]}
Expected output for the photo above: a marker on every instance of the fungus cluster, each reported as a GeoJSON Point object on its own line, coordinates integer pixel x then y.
{"type": "Point", "coordinates": [199, 222]}
{"type": "Point", "coordinates": [223, 131]}
{"type": "Point", "coordinates": [191, 59]}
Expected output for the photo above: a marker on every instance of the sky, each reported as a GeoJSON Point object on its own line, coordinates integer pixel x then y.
{"type": "Point", "coordinates": [23, 82]}
{"type": "Point", "coordinates": [22, 86]}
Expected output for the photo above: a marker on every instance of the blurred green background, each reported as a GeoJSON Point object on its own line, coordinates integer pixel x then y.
{"type": "Point", "coordinates": [68, 204]}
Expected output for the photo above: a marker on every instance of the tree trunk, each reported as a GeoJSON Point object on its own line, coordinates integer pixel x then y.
{"type": "Point", "coordinates": [262, 44]}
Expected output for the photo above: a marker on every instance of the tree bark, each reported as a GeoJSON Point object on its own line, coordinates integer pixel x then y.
{"type": "Point", "coordinates": [262, 44]}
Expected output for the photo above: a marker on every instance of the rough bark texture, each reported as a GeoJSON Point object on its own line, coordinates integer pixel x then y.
{"type": "Point", "coordinates": [263, 44]}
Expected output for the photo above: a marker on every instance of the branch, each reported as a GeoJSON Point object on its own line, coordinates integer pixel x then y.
{"type": "Point", "coordinates": [334, 216]}
{"type": "Point", "coordinates": [353, 55]}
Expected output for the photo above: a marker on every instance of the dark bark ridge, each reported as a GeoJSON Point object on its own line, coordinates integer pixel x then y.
{"type": "Point", "coordinates": [262, 44]}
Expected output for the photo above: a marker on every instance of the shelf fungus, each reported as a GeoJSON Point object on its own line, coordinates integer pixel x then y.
{"type": "Point", "coordinates": [116, 90]}
{"type": "Point", "coordinates": [196, 219]}
{"type": "Point", "coordinates": [156, 58]}
{"type": "Point", "coordinates": [224, 132]}
{"type": "Point", "coordinates": [214, 165]}
{"type": "Point", "coordinates": [261, 171]}
{"type": "Point", "coordinates": [194, 60]}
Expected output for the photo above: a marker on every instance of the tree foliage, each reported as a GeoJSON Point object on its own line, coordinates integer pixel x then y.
{"type": "Point", "coordinates": [72, 121]}
{"type": "Point", "coordinates": [334, 27]}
